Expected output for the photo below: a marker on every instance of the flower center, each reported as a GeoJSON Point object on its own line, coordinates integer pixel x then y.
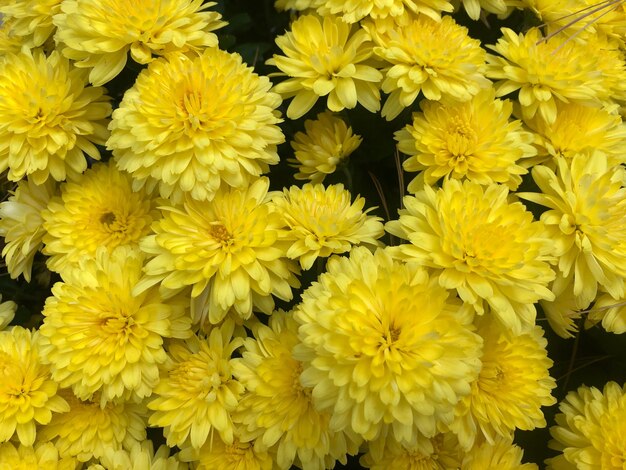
{"type": "Point", "coordinates": [461, 144]}
{"type": "Point", "coordinates": [220, 233]}
{"type": "Point", "coordinates": [107, 218]}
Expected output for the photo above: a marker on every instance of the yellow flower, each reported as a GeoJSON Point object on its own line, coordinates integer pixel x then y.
{"type": "Point", "coordinates": [384, 347]}
{"type": "Point", "coordinates": [7, 312]}
{"type": "Point", "coordinates": [31, 19]}
{"type": "Point", "coordinates": [99, 33]}
{"type": "Point", "coordinates": [28, 396]}
{"type": "Point", "coordinates": [98, 209]}
{"type": "Point", "coordinates": [502, 454]}
{"type": "Point", "coordinates": [197, 393]}
{"type": "Point", "coordinates": [611, 312]}
{"type": "Point", "coordinates": [277, 410]}
{"type": "Point", "coordinates": [323, 220]}
{"type": "Point", "coordinates": [478, 243]}
{"type": "Point", "coordinates": [590, 429]}
{"type": "Point", "coordinates": [99, 337]}
{"type": "Point", "coordinates": [564, 311]}
{"type": "Point", "coordinates": [327, 143]}
{"type": "Point", "coordinates": [228, 250]}
{"type": "Point", "coordinates": [437, 58]}
{"type": "Point", "coordinates": [586, 220]}
{"type": "Point", "coordinates": [21, 225]}
{"type": "Point", "coordinates": [141, 456]}
{"type": "Point", "coordinates": [42, 456]}
{"type": "Point", "coordinates": [356, 10]}
{"type": "Point", "coordinates": [513, 385]}
{"type": "Point", "coordinates": [49, 119]}
{"type": "Point", "coordinates": [10, 41]}
{"type": "Point", "coordinates": [474, 7]}
{"type": "Point", "coordinates": [88, 431]}
{"type": "Point", "coordinates": [326, 57]}
{"type": "Point", "coordinates": [473, 140]}
{"type": "Point", "coordinates": [195, 124]}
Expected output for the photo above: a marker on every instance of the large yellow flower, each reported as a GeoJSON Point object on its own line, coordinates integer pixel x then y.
{"type": "Point", "coordinates": [228, 250]}
{"type": "Point", "coordinates": [384, 347]}
{"type": "Point", "coordinates": [21, 225]}
{"type": "Point", "coordinates": [99, 337]}
{"type": "Point", "coordinates": [326, 57]}
{"type": "Point", "coordinates": [324, 220]}
{"type": "Point", "coordinates": [586, 220]}
{"type": "Point", "coordinates": [197, 393]}
{"type": "Point", "coordinates": [41, 456]}
{"type": "Point", "coordinates": [195, 124]}
{"type": "Point", "coordinates": [437, 58]}
{"type": "Point", "coordinates": [99, 209]}
{"type": "Point", "coordinates": [277, 410]}
{"type": "Point", "coordinates": [513, 385]}
{"type": "Point", "coordinates": [356, 10]}
{"type": "Point", "coordinates": [478, 243]}
{"type": "Point", "coordinates": [31, 19]}
{"type": "Point", "coordinates": [49, 119]}
{"type": "Point", "coordinates": [473, 140]}
{"type": "Point", "coordinates": [99, 33]}
{"type": "Point", "coordinates": [28, 396]}
{"type": "Point", "coordinates": [590, 429]}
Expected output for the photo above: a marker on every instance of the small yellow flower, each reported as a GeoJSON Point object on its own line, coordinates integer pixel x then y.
{"type": "Point", "coordinates": [608, 311]}
{"type": "Point", "coordinates": [473, 140]}
{"type": "Point", "coordinates": [31, 20]}
{"type": "Point", "coordinates": [99, 34]}
{"type": "Point", "coordinates": [327, 143]}
{"type": "Point", "coordinates": [42, 456]}
{"type": "Point", "coordinates": [141, 456]}
{"type": "Point", "coordinates": [7, 313]}
{"type": "Point", "coordinates": [474, 7]}
{"type": "Point", "coordinates": [10, 41]}
{"type": "Point", "coordinates": [326, 57]}
{"type": "Point", "coordinates": [564, 311]}
{"type": "Point", "coordinates": [356, 10]}
{"type": "Point", "coordinates": [502, 454]}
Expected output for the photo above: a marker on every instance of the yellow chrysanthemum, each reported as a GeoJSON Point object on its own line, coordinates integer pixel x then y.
{"type": "Point", "coordinates": [99, 209]}
{"type": "Point", "coordinates": [31, 19]}
{"type": "Point", "coordinates": [474, 7]}
{"type": "Point", "coordinates": [7, 312]}
{"type": "Point", "coordinates": [195, 124]}
{"type": "Point", "coordinates": [99, 33]}
{"type": "Point", "coordinates": [326, 57]}
{"type": "Point", "coordinates": [356, 10]}
{"type": "Point", "coordinates": [564, 311]}
{"type": "Point", "coordinates": [610, 312]}
{"type": "Point", "coordinates": [10, 42]}
{"type": "Point", "coordinates": [277, 410]}
{"type": "Point", "coordinates": [590, 429]}
{"type": "Point", "coordinates": [384, 347]}
{"type": "Point", "coordinates": [49, 119]}
{"type": "Point", "coordinates": [43, 456]}
{"type": "Point", "coordinates": [501, 455]}
{"type": "Point", "coordinates": [197, 393]}
{"type": "Point", "coordinates": [478, 243]}
{"type": "Point", "coordinates": [437, 58]}
{"type": "Point", "coordinates": [473, 140]}
{"type": "Point", "coordinates": [324, 220]}
{"type": "Point", "coordinates": [21, 225]}
{"type": "Point", "coordinates": [28, 396]}
{"type": "Point", "coordinates": [99, 337]}
{"type": "Point", "coordinates": [141, 457]}
{"type": "Point", "coordinates": [228, 250]}
{"type": "Point", "coordinates": [546, 72]}
{"type": "Point", "coordinates": [586, 221]}
{"type": "Point", "coordinates": [88, 430]}
{"type": "Point", "coordinates": [514, 383]}
{"type": "Point", "coordinates": [327, 143]}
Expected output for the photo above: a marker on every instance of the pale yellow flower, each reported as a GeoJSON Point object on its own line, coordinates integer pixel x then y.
{"type": "Point", "coordinates": [502, 454]}
{"type": "Point", "coordinates": [31, 20]}
{"type": "Point", "coordinates": [475, 7]}
{"type": "Point", "coordinates": [41, 456]}
{"type": "Point", "coordinates": [608, 311]}
{"type": "Point", "coordinates": [141, 456]}
{"type": "Point", "coordinates": [7, 312]}
{"type": "Point", "coordinates": [353, 11]}
{"type": "Point", "coordinates": [564, 311]}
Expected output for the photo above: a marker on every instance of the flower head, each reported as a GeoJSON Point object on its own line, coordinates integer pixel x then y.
{"type": "Point", "coordinates": [141, 456]}
{"type": "Point", "coordinates": [327, 143]}
{"type": "Point", "coordinates": [10, 42]}
{"type": "Point", "coordinates": [240, 454]}
{"type": "Point", "coordinates": [31, 20]}
{"type": "Point", "coordinates": [42, 455]}
{"type": "Point", "coordinates": [437, 58]}
{"type": "Point", "coordinates": [326, 57]}
{"type": "Point", "coordinates": [473, 140]}
{"type": "Point", "coordinates": [475, 7]}
{"type": "Point", "coordinates": [323, 220]}
{"type": "Point", "coordinates": [354, 11]}
{"type": "Point", "coordinates": [49, 118]}
{"type": "Point", "coordinates": [99, 34]}
{"type": "Point", "coordinates": [501, 454]}
{"type": "Point", "coordinates": [478, 243]}
{"type": "Point", "coordinates": [564, 311]}
{"type": "Point", "coordinates": [384, 347]}
{"type": "Point", "coordinates": [193, 124]}
{"type": "Point", "coordinates": [610, 312]}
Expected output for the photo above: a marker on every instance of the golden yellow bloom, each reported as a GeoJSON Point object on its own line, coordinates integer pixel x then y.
{"type": "Point", "coordinates": [195, 124]}
{"type": "Point", "coordinates": [326, 57]}
{"type": "Point", "coordinates": [88, 431]}
{"type": "Point", "coordinates": [277, 410]}
{"type": "Point", "coordinates": [31, 19]}
{"type": "Point", "coordinates": [478, 243]}
{"type": "Point", "coordinates": [21, 225]}
{"type": "Point", "coordinates": [228, 250]}
{"type": "Point", "coordinates": [609, 311]}
{"type": "Point", "coordinates": [49, 119]}
{"type": "Point", "coordinates": [437, 58]}
{"type": "Point", "coordinates": [590, 429]}
{"type": "Point", "coordinates": [473, 140]}
{"type": "Point", "coordinates": [197, 393]}
{"type": "Point", "coordinates": [502, 454]}
{"type": "Point", "coordinates": [356, 10]}
{"type": "Point", "coordinates": [586, 221]}
{"type": "Point", "coordinates": [474, 7]}
{"type": "Point", "coordinates": [324, 220]}
{"type": "Point", "coordinates": [514, 383]}
{"type": "Point", "coordinates": [7, 312]}
{"type": "Point", "coordinates": [564, 311]}
{"type": "Point", "coordinates": [99, 33]}
{"type": "Point", "coordinates": [10, 42]}
{"type": "Point", "coordinates": [99, 209]}
{"type": "Point", "coordinates": [28, 396]}
{"type": "Point", "coordinates": [384, 347]}
{"type": "Point", "coordinates": [141, 456]}
{"type": "Point", "coordinates": [99, 337]}
{"type": "Point", "coordinates": [327, 143]}
{"type": "Point", "coordinates": [42, 456]}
